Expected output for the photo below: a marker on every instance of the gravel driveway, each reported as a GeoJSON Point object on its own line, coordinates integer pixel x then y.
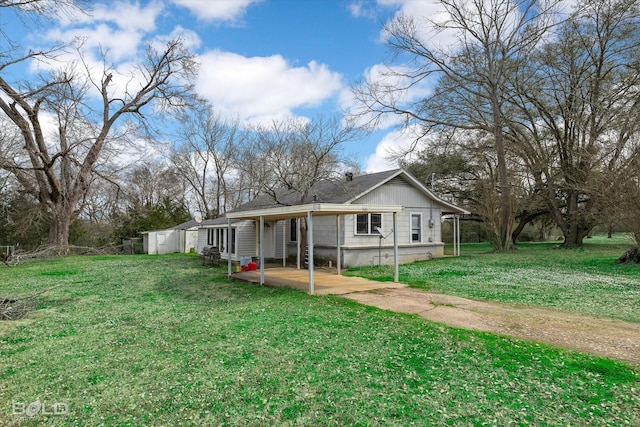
{"type": "Point", "coordinates": [610, 338]}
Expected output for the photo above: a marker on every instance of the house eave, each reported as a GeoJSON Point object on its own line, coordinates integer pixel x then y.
{"type": "Point", "coordinates": [316, 209]}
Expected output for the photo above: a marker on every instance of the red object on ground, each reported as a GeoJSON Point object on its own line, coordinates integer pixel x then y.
{"type": "Point", "coordinates": [252, 266]}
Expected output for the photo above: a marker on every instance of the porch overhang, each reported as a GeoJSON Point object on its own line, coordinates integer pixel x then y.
{"type": "Point", "coordinates": [316, 209]}
{"type": "Point", "coordinates": [309, 211]}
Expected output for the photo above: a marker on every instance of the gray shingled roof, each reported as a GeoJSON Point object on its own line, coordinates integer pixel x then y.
{"type": "Point", "coordinates": [327, 191]}
{"type": "Point", "coordinates": [186, 225]}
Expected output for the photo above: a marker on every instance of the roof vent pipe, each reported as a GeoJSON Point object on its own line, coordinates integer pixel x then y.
{"type": "Point", "coordinates": [349, 176]}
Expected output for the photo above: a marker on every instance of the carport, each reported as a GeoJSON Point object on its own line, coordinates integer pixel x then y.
{"type": "Point", "coordinates": [310, 211]}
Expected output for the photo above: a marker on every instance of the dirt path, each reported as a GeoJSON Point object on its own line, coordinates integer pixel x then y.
{"type": "Point", "coordinates": [604, 337]}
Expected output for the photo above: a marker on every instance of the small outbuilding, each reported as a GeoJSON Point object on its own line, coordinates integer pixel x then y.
{"type": "Point", "coordinates": [180, 239]}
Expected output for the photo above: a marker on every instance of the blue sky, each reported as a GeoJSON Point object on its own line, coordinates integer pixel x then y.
{"type": "Point", "coordinates": [259, 60]}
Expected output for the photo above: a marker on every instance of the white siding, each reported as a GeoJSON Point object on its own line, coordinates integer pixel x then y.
{"type": "Point", "coordinates": [396, 192]}
{"type": "Point", "coordinates": [400, 192]}
{"type": "Point", "coordinates": [202, 239]}
{"type": "Point", "coordinates": [161, 241]}
{"type": "Point", "coordinates": [278, 238]}
{"type": "Point", "coordinates": [364, 249]}
{"type": "Point", "coordinates": [191, 240]}
{"type": "Point", "coordinates": [245, 240]}
{"type": "Point", "coordinates": [324, 230]}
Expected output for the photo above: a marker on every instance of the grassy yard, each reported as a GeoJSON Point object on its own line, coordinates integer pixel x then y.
{"type": "Point", "coordinates": [160, 340]}
{"type": "Point", "coordinates": [584, 280]}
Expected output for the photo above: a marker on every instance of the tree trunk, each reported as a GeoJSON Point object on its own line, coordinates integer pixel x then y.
{"type": "Point", "coordinates": [525, 219]}
{"type": "Point", "coordinates": [574, 232]}
{"type": "Point", "coordinates": [505, 218]}
{"type": "Point", "coordinates": [60, 218]}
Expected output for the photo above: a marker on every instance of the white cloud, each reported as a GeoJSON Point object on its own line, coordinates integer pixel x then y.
{"type": "Point", "coordinates": [190, 38]}
{"type": "Point", "coordinates": [394, 87]}
{"type": "Point", "coordinates": [426, 14]}
{"type": "Point", "coordinates": [126, 15]}
{"type": "Point", "coordinates": [392, 144]}
{"type": "Point", "coordinates": [259, 88]}
{"type": "Point", "coordinates": [117, 45]}
{"type": "Point", "coordinates": [362, 9]}
{"type": "Point", "coordinates": [117, 29]}
{"type": "Point", "coordinates": [219, 10]}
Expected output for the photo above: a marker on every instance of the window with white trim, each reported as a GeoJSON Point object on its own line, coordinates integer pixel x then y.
{"type": "Point", "coordinates": [211, 237]}
{"type": "Point", "coordinates": [368, 223]}
{"type": "Point", "coordinates": [416, 228]}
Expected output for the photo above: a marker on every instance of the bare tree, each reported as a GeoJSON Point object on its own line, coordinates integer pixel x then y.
{"type": "Point", "coordinates": [42, 7]}
{"type": "Point", "coordinates": [32, 12]}
{"type": "Point", "coordinates": [472, 76]}
{"type": "Point", "coordinates": [579, 114]}
{"type": "Point", "coordinates": [58, 169]}
{"type": "Point", "coordinates": [290, 157]}
{"type": "Point", "coordinates": [462, 167]}
{"type": "Point", "coordinates": [631, 200]}
{"type": "Point", "coordinates": [203, 154]}
{"type": "Point", "coordinates": [295, 155]}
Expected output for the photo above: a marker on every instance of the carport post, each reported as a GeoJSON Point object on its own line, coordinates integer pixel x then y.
{"type": "Point", "coordinates": [310, 243]}
{"type": "Point", "coordinates": [338, 258]}
{"type": "Point", "coordinates": [298, 220]}
{"type": "Point", "coordinates": [396, 274]}
{"type": "Point", "coordinates": [284, 242]}
{"type": "Point", "coordinates": [228, 247]}
{"type": "Point", "coordinates": [456, 235]}
{"type": "Point", "coordinates": [453, 229]}
{"type": "Point", "coordinates": [261, 250]}
{"type": "Point", "coordinates": [459, 234]}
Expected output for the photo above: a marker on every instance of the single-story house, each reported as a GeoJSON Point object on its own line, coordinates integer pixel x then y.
{"type": "Point", "coordinates": [379, 218]}
{"type": "Point", "coordinates": [181, 238]}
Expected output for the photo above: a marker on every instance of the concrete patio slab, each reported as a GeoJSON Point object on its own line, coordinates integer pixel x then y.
{"type": "Point", "coordinates": [326, 280]}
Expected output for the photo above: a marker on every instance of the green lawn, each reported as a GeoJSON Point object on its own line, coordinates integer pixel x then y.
{"type": "Point", "coordinates": [160, 340]}
{"type": "Point", "coordinates": [585, 280]}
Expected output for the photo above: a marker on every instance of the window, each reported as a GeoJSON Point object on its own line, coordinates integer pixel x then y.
{"type": "Point", "coordinates": [220, 239]}
{"type": "Point", "coordinates": [293, 229]}
{"type": "Point", "coordinates": [416, 228]}
{"type": "Point", "coordinates": [210, 237]}
{"type": "Point", "coordinates": [368, 223]}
